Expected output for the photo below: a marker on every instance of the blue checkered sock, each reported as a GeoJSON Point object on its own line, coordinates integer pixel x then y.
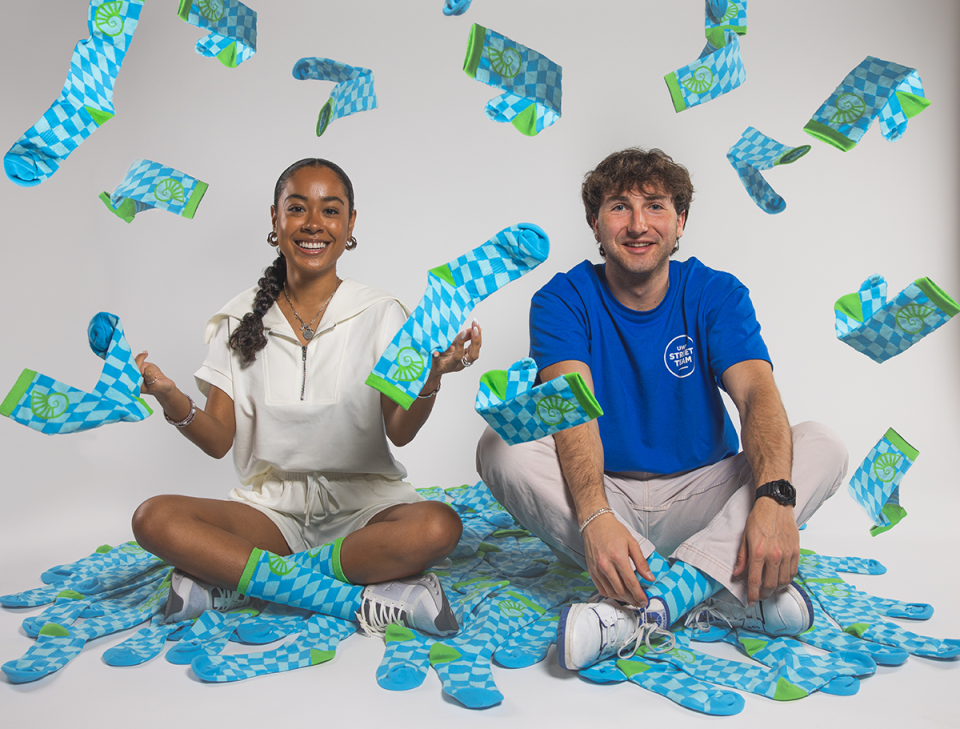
{"type": "Point", "coordinates": [149, 185]}
{"type": "Point", "coordinates": [875, 89]}
{"type": "Point", "coordinates": [209, 635]}
{"type": "Point", "coordinates": [456, 7]}
{"type": "Point", "coordinates": [232, 25]}
{"type": "Point", "coordinates": [453, 290]}
{"type": "Point", "coordinates": [719, 69]}
{"type": "Point", "coordinates": [52, 407]}
{"type": "Point", "coordinates": [405, 660]}
{"type": "Point", "coordinates": [530, 80]}
{"type": "Point", "coordinates": [882, 329]}
{"type": "Point", "coordinates": [86, 100]}
{"type": "Point", "coordinates": [724, 15]}
{"type": "Point", "coordinates": [325, 559]}
{"type": "Point", "coordinates": [276, 579]}
{"type": "Point", "coordinates": [144, 646]}
{"type": "Point", "coordinates": [354, 90]}
{"type": "Point", "coordinates": [755, 151]}
{"type": "Point", "coordinates": [520, 412]}
{"type": "Point", "coordinates": [658, 565]}
{"type": "Point", "coordinates": [681, 589]}
{"type": "Point", "coordinates": [875, 484]}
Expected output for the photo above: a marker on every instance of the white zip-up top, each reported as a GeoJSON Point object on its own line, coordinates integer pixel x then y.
{"type": "Point", "coordinates": [306, 408]}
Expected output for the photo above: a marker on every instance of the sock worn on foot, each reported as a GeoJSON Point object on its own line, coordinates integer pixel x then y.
{"type": "Point", "coordinates": [679, 590]}
{"type": "Point", "coordinates": [354, 90]}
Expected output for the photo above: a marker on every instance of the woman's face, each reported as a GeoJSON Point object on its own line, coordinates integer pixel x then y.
{"type": "Point", "coordinates": [312, 221]}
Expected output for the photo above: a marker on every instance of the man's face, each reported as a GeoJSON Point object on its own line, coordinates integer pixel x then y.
{"type": "Point", "coordinates": [638, 230]}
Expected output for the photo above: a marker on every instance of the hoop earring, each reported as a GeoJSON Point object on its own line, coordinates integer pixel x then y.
{"type": "Point", "coordinates": [351, 243]}
{"type": "Point", "coordinates": [272, 238]}
{"type": "Point", "coordinates": [603, 253]}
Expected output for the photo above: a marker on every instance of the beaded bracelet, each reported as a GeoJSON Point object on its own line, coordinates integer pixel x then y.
{"type": "Point", "coordinates": [187, 420]}
{"type": "Point", "coordinates": [594, 515]}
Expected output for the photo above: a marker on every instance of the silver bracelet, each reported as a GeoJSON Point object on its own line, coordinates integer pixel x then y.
{"type": "Point", "coordinates": [187, 420]}
{"type": "Point", "coordinates": [594, 515]}
{"type": "Point", "coordinates": [432, 394]}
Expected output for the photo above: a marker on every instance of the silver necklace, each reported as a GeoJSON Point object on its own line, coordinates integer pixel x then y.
{"type": "Point", "coordinates": [307, 329]}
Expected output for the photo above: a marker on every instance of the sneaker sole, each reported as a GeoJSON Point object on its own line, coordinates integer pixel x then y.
{"type": "Point", "coordinates": [807, 604]}
{"type": "Point", "coordinates": [562, 639]}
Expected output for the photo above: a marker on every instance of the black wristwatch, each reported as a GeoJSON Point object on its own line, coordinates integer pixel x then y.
{"type": "Point", "coordinates": [781, 491]}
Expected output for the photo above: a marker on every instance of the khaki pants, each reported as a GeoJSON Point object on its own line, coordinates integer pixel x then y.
{"type": "Point", "coordinates": [697, 516]}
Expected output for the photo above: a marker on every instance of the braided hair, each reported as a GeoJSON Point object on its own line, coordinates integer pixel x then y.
{"type": "Point", "coordinates": [248, 338]}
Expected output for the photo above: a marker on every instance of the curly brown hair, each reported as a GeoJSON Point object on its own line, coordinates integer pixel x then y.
{"type": "Point", "coordinates": [636, 169]}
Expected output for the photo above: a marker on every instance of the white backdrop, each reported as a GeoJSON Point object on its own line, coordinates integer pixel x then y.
{"type": "Point", "coordinates": [434, 178]}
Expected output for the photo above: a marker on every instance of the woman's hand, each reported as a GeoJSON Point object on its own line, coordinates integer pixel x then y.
{"type": "Point", "coordinates": [464, 351]}
{"type": "Point", "coordinates": [154, 381]}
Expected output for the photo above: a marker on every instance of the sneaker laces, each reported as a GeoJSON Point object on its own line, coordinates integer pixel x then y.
{"type": "Point", "coordinates": [378, 617]}
{"type": "Point", "coordinates": [645, 632]}
{"type": "Point", "coordinates": [699, 619]}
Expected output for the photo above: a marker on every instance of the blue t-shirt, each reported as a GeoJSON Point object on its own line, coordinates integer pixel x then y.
{"type": "Point", "coordinates": [656, 374]}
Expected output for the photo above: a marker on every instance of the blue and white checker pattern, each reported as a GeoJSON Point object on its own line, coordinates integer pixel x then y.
{"type": "Point", "coordinates": [229, 22]}
{"type": "Point", "coordinates": [456, 7]}
{"type": "Point", "coordinates": [881, 335]}
{"type": "Point", "coordinates": [93, 71]}
{"type": "Point", "coordinates": [877, 478]}
{"type": "Point", "coordinates": [143, 646]}
{"type": "Point", "coordinates": [354, 90]}
{"type": "Point", "coordinates": [153, 185]}
{"type": "Point", "coordinates": [716, 72]}
{"type": "Point", "coordinates": [665, 680]}
{"type": "Point", "coordinates": [725, 15]}
{"type": "Point", "coordinates": [529, 413]}
{"type": "Point", "coordinates": [865, 94]}
{"type": "Point", "coordinates": [405, 659]}
{"type": "Point", "coordinates": [405, 364]}
{"type": "Point", "coordinates": [755, 151]}
{"type": "Point", "coordinates": [682, 588]}
{"type": "Point", "coordinates": [208, 635]}
{"type": "Point", "coordinates": [538, 82]}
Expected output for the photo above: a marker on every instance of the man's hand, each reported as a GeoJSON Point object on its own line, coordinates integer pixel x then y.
{"type": "Point", "coordinates": [770, 549]}
{"type": "Point", "coordinates": [609, 549]}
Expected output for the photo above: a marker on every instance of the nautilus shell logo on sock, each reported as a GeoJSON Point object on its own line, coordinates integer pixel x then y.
{"type": "Point", "coordinates": [678, 356]}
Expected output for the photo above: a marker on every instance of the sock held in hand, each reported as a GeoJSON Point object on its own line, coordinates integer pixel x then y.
{"type": "Point", "coordinates": [882, 329]}
{"type": "Point", "coordinates": [681, 589]}
{"type": "Point", "coordinates": [875, 89]}
{"type": "Point", "coordinates": [86, 100]}
{"type": "Point", "coordinates": [875, 484]}
{"type": "Point", "coordinates": [520, 412]}
{"type": "Point", "coordinates": [52, 407]}
{"type": "Point", "coordinates": [233, 29]}
{"type": "Point", "coordinates": [755, 151]}
{"type": "Point", "coordinates": [719, 69]}
{"type": "Point", "coordinates": [354, 90]}
{"type": "Point", "coordinates": [531, 82]}
{"type": "Point", "coordinates": [149, 185]}
{"type": "Point", "coordinates": [453, 290]}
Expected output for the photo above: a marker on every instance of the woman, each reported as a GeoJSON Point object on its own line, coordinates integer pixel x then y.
{"type": "Point", "coordinates": [284, 380]}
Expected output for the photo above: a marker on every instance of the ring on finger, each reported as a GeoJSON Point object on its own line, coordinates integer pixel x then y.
{"type": "Point", "coordinates": [152, 381]}
{"type": "Point", "coordinates": [465, 362]}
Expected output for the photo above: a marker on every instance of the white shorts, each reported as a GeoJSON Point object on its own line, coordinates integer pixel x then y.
{"type": "Point", "coordinates": [311, 509]}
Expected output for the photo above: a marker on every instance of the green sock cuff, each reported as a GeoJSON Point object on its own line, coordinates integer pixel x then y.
{"type": "Point", "coordinates": [184, 10]}
{"type": "Point", "coordinates": [248, 570]}
{"type": "Point", "coordinates": [13, 397]}
{"type": "Point", "coordinates": [938, 296]}
{"type": "Point", "coordinates": [900, 444]}
{"type": "Point", "coordinates": [390, 390]}
{"type": "Point", "coordinates": [911, 103]}
{"type": "Point", "coordinates": [851, 305]}
{"type": "Point", "coordinates": [586, 399]}
{"type": "Point", "coordinates": [792, 155]}
{"type": "Point", "coordinates": [675, 94]}
{"type": "Point", "coordinates": [829, 135]}
{"type": "Point", "coordinates": [474, 50]}
{"type": "Point", "coordinates": [335, 561]}
{"type": "Point", "coordinates": [894, 513]}
{"type": "Point", "coordinates": [195, 197]}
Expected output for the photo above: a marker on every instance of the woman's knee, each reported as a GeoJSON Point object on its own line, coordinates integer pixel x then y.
{"type": "Point", "coordinates": [441, 527]}
{"type": "Point", "coordinates": [153, 518]}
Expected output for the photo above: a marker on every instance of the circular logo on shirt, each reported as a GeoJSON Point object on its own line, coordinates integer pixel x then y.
{"type": "Point", "coordinates": [678, 356]}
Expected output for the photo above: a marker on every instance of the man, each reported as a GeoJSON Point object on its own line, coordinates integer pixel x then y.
{"type": "Point", "coordinates": [653, 498]}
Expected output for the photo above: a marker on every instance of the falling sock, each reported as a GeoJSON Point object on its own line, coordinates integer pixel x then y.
{"type": "Point", "coordinates": [530, 80]}
{"type": "Point", "coordinates": [232, 25]}
{"type": "Point", "coordinates": [875, 484]}
{"type": "Point", "coordinates": [52, 407]}
{"type": "Point", "coordinates": [680, 590]}
{"type": "Point", "coordinates": [405, 660]}
{"type": "Point", "coordinates": [520, 412]}
{"type": "Point", "coordinates": [149, 185]}
{"type": "Point", "coordinates": [755, 151]}
{"type": "Point", "coordinates": [317, 643]}
{"type": "Point", "coordinates": [354, 90]}
{"type": "Point", "coordinates": [86, 100]}
{"type": "Point", "coordinates": [874, 89]}
{"type": "Point", "coordinates": [453, 290]}
{"type": "Point", "coordinates": [724, 15]}
{"type": "Point", "coordinates": [455, 7]}
{"type": "Point", "coordinates": [882, 329]}
{"type": "Point", "coordinates": [718, 70]}
{"type": "Point", "coordinates": [273, 578]}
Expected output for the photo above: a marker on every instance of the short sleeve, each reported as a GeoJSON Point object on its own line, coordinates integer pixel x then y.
{"type": "Point", "coordinates": [733, 333]}
{"type": "Point", "coordinates": [558, 325]}
{"type": "Point", "coordinates": [217, 368]}
{"type": "Point", "coordinates": [392, 316]}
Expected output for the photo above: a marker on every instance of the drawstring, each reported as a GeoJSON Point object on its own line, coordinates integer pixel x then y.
{"type": "Point", "coordinates": [318, 486]}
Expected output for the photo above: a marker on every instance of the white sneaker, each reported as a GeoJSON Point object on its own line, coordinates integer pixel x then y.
{"type": "Point", "coordinates": [190, 597]}
{"type": "Point", "coordinates": [592, 631]}
{"type": "Point", "coordinates": [418, 602]}
{"type": "Point", "coordinates": [787, 612]}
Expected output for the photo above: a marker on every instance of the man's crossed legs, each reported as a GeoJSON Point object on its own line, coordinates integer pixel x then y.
{"type": "Point", "coordinates": [696, 518]}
